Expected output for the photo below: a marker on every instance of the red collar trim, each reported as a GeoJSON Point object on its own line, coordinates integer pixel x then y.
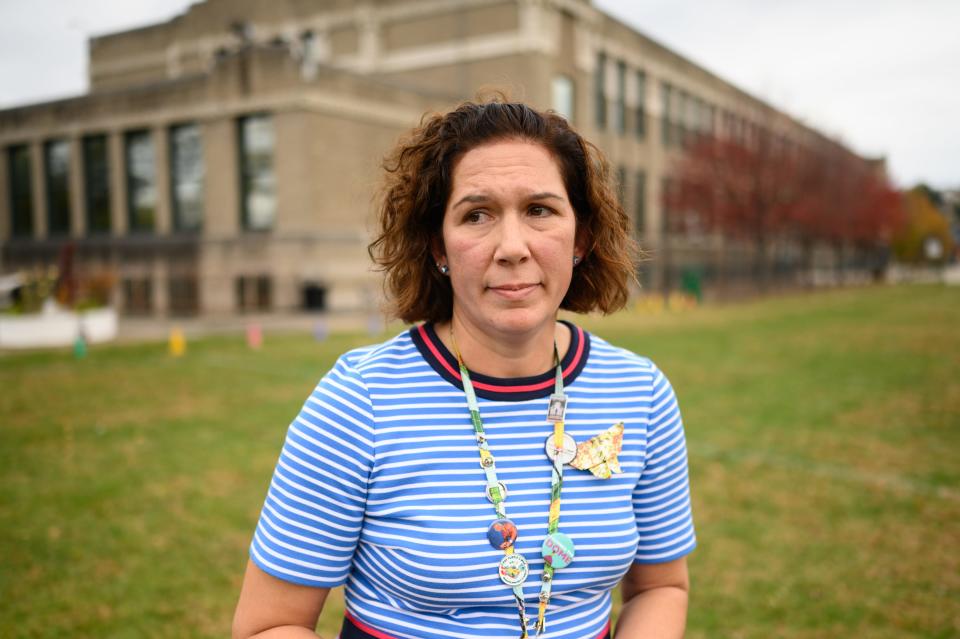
{"type": "Point", "coordinates": [445, 363]}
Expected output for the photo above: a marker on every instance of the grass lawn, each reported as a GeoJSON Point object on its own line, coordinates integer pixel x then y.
{"type": "Point", "coordinates": [824, 438]}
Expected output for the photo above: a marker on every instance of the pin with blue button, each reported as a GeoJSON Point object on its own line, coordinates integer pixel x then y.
{"type": "Point", "coordinates": [502, 533]}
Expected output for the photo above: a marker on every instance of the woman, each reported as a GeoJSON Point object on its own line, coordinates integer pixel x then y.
{"type": "Point", "coordinates": [491, 472]}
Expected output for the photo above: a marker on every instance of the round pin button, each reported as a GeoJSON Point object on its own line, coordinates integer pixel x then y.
{"type": "Point", "coordinates": [502, 533]}
{"type": "Point", "coordinates": [503, 492]}
{"type": "Point", "coordinates": [565, 454]}
{"type": "Point", "coordinates": [513, 569]}
{"type": "Point", "coordinates": [558, 550]}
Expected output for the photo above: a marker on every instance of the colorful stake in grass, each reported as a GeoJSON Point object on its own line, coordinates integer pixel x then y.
{"type": "Point", "coordinates": [254, 336]}
{"type": "Point", "coordinates": [79, 346]}
{"type": "Point", "coordinates": [320, 330]}
{"type": "Point", "coordinates": [178, 343]}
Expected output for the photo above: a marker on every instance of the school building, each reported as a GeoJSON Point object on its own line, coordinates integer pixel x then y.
{"type": "Point", "coordinates": [227, 160]}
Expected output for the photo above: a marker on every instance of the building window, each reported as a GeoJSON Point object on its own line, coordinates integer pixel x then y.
{"type": "Point", "coordinates": [600, 91]}
{"type": "Point", "coordinates": [21, 190]}
{"type": "Point", "coordinates": [622, 185]}
{"type": "Point", "coordinates": [679, 117]}
{"type": "Point", "coordinates": [670, 223]}
{"type": "Point", "coordinates": [254, 293]}
{"type": "Point", "coordinates": [186, 177]}
{"type": "Point", "coordinates": [738, 130]}
{"type": "Point", "coordinates": [96, 181]}
{"type": "Point", "coordinates": [56, 168]}
{"type": "Point", "coordinates": [183, 295]}
{"type": "Point", "coordinates": [141, 182]}
{"type": "Point", "coordinates": [311, 54]}
{"type": "Point", "coordinates": [640, 204]}
{"type": "Point", "coordinates": [562, 90]}
{"type": "Point", "coordinates": [695, 107]}
{"type": "Point", "coordinates": [640, 124]}
{"type": "Point", "coordinates": [258, 197]}
{"type": "Point", "coordinates": [620, 106]}
{"type": "Point", "coordinates": [137, 296]}
{"type": "Point", "coordinates": [666, 97]}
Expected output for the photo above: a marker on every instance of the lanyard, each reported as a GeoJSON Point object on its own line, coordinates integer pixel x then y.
{"type": "Point", "coordinates": [556, 483]}
{"type": "Point", "coordinates": [558, 549]}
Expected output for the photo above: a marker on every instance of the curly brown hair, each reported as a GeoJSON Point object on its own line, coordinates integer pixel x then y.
{"type": "Point", "coordinates": [419, 174]}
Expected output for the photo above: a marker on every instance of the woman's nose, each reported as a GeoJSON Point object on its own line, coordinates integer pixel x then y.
{"type": "Point", "coordinates": [512, 241]}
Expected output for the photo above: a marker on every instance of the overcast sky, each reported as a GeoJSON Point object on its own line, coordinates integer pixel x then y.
{"type": "Point", "coordinates": [884, 76]}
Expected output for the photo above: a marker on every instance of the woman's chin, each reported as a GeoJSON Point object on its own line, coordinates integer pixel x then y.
{"type": "Point", "coordinates": [522, 321]}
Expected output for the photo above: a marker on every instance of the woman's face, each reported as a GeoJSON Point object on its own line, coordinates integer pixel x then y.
{"type": "Point", "coordinates": [509, 238]}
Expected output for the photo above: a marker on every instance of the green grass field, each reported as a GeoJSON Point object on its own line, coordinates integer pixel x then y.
{"type": "Point", "coordinates": [824, 438]}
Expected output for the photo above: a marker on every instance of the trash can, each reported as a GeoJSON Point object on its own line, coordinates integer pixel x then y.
{"type": "Point", "coordinates": [691, 282]}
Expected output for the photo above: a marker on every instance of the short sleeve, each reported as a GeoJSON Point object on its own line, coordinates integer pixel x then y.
{"type": "Point", "coordinates": [661, 498]}
{"type": "Point", "coordinates": [311, 519]}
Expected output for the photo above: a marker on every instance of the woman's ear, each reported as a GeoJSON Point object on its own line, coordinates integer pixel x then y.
{"type": "Point", "coordinates": [437, 251]}
{"type": "Point", "coordinates": [581, 246]}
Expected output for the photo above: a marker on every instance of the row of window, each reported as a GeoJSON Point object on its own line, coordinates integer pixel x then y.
{"type": "Point", "coordinates": [183, 297]}
{"type": "Point", "coordinates": [612, 112]}
{"type": "Point", "coordinates": [255, 144]}
{"type": "Point", "coordinates": [684, 115]}
{"type": "Point", "coordinates": [252, 293]}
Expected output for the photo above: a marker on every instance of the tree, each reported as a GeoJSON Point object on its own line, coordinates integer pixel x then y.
{"type": "Point", "coordinates": [750, 191]}
{"type": "Point", "coordinates": [854, 205]}
{"type": "Point", "coordinates": [767, 188]}
{"type": "Point", "coordinates": [925, 225]}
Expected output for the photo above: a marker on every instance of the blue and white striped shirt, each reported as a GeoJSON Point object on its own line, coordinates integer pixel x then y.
{"type": "Point", "coordinates": [379, 486]}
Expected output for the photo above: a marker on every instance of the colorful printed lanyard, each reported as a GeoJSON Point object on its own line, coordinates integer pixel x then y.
{"type": "Point", "coordinates": [557, 549]}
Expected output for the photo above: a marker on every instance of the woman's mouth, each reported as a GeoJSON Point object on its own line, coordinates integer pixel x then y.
{"type": "Point", "coordinates": [514, 290]}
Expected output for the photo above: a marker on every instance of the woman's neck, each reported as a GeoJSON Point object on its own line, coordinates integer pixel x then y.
{"type": "Point", "coordinates": [505, 354]}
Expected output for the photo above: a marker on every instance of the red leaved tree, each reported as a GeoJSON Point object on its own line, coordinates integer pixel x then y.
{"type": "Point", "coordinates": [853, 205]}
{"type": "Point", "coordinates": [767, 188]}
{"type": "Point", "coordinates": [749, 191]}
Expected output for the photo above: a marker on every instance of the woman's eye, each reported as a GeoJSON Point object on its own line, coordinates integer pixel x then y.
{"type": "Point", "coordinates": [474, 217]}
{"type": "Point", "coordinates": [539, 211]}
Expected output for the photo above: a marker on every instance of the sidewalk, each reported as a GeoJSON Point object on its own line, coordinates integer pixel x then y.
{"type": "Point", "coordinates": [145, 329]}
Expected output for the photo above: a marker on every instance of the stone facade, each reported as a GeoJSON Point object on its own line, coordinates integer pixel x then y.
{"type": "Point", "coordinates": [294, 104]}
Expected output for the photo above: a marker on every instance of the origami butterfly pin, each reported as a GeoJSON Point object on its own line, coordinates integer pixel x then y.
{"type": "Point", "coordinates": [599, 453]}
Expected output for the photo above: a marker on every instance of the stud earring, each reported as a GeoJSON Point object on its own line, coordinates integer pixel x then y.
{"type": "Point", "coordinates": [576, 260]}
{"type": "Point", "coordinates": [444, 269]}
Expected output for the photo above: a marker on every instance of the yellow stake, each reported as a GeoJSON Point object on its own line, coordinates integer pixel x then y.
{"type": "Point", "coordinates": [178, 343]}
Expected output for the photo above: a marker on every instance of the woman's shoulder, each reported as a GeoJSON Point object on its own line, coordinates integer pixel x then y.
{"type": "Point", "coordinates": [374, 357]}
{"type": "Point", "coordinates": [604, 353]}
{"type": "Point", "coordinates": [346, 385]}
